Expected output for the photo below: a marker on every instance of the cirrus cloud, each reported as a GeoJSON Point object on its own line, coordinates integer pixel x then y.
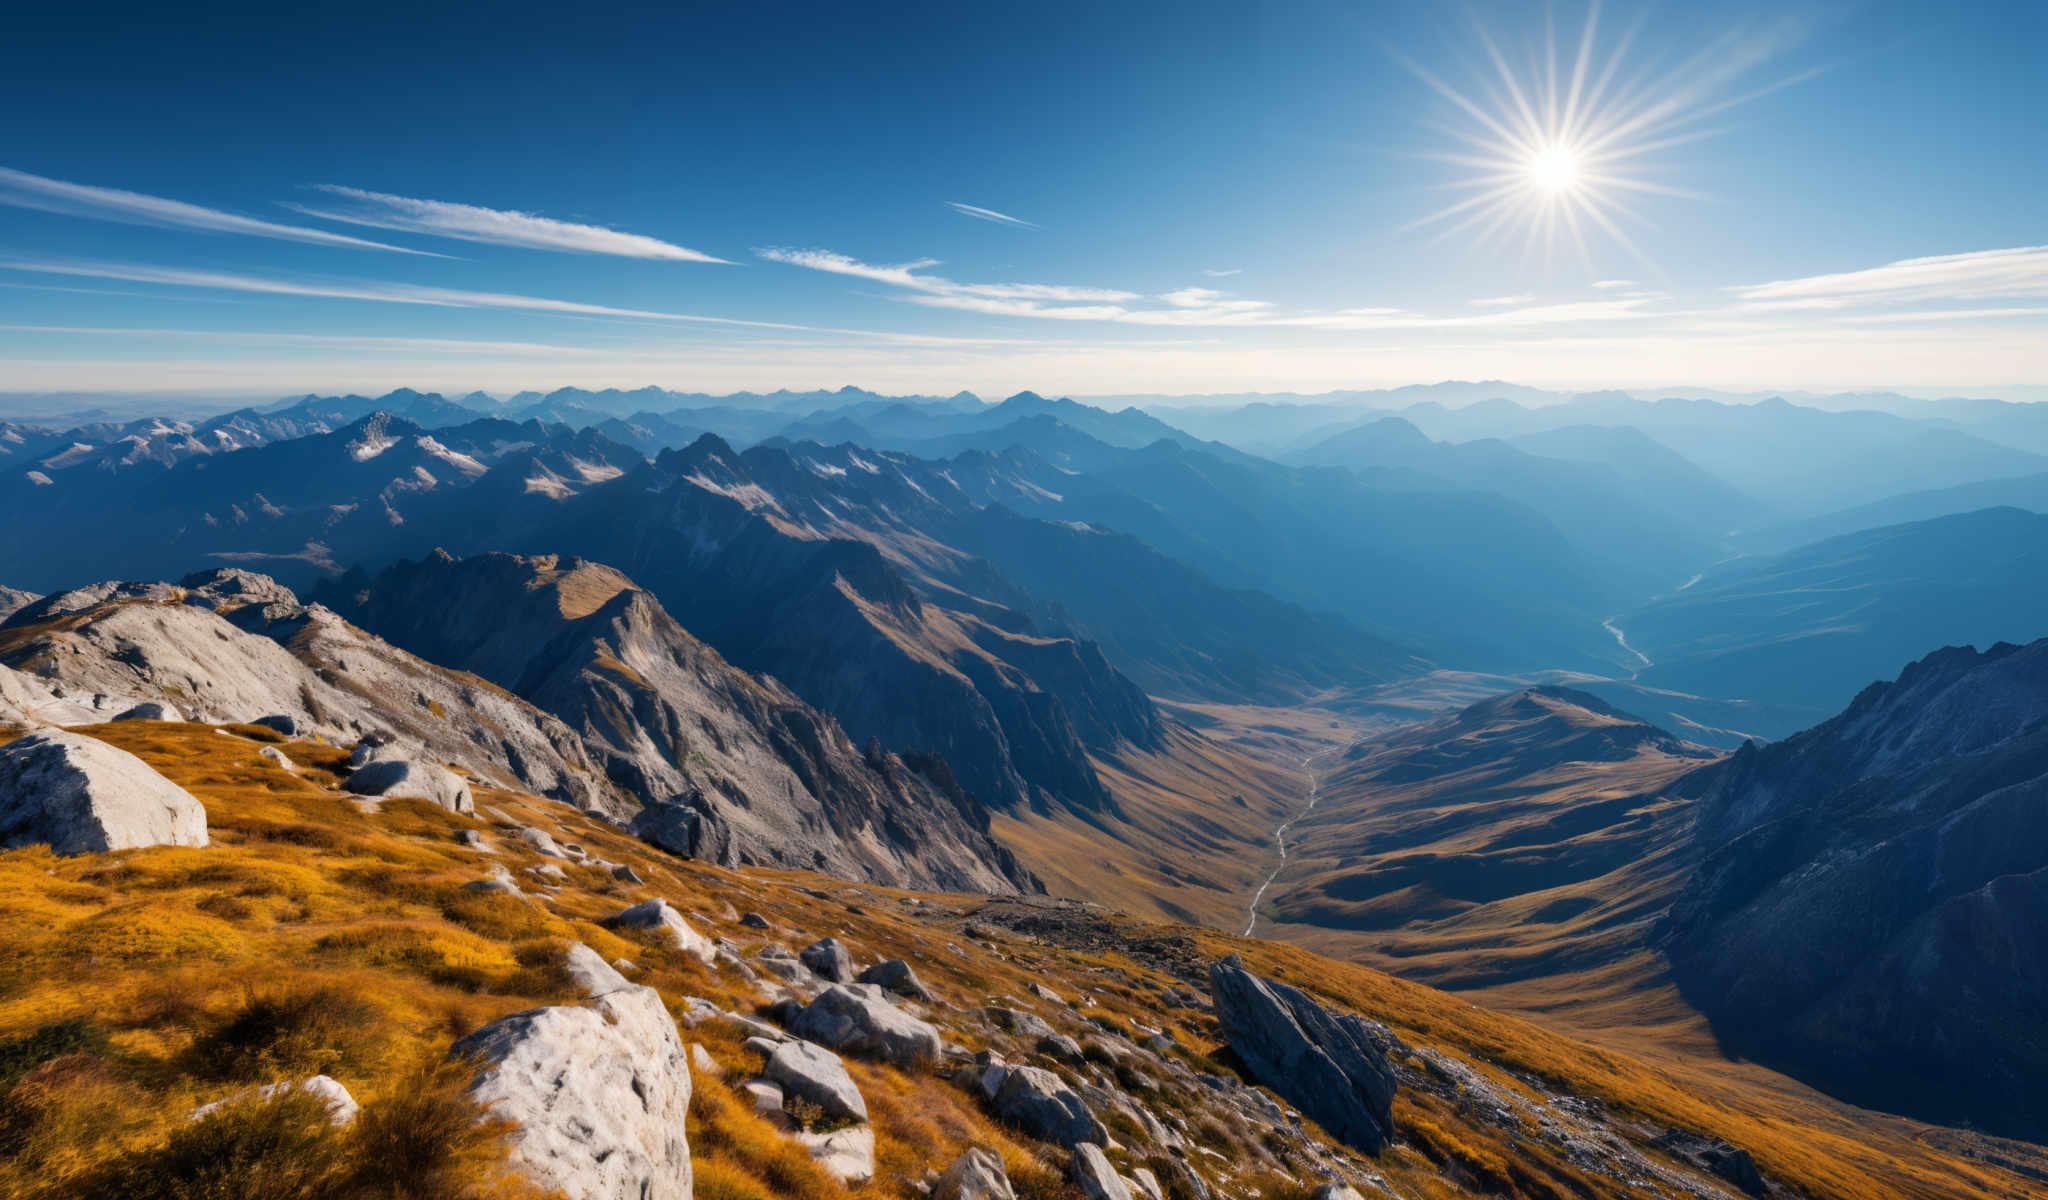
{"type": "Point", "coordinates": [496, 226]}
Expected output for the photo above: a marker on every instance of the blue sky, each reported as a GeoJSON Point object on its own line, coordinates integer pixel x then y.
{"type": "Point", "coordinates": [1205, 197]}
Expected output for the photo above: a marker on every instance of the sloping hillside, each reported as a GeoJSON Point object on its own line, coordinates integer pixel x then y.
{"type": "Point", "coordinates": [359, 939]}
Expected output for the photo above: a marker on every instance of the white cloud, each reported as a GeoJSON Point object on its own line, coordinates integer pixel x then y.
{"type": "Point", "coordinates": [1213, 274]}
{"type": "Point", "coordinates": [906, 275]}
{"type": "Point", "coordinates": [1605, 284]}
{"type": "Point", "coordinates": [988, 214]}
{"type": "Point", "coordinates": [1191, 306]}
{"type": "Point", "coordinates": [500, 227]}
{"type": "Point", "coordinates": [434, 297]}
{"type": "Point", "coordinates": [1502, 301]}
{"type": "Point", "coordinates": [23, 190]}
{"type": "Point", "coordinates": [1979, 275]}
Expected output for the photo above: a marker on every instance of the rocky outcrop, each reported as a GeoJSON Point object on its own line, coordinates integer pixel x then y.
{"type": "Point", "coordinates": [861, 1023]}
{"type": "Point", "coordinates": [725, 766]}
{"type": "Point", "coordinates": [230, 646]}
{"type": "Point", "coordinates": [1871, 908]}
{"type": "Point", "coordinates": [1327, 1064]}
{"type": "Point", "coordinates": [598, 1093]}
{"type": "Point", "coordinates": [78, 794]}
{"type": "Point", "coordinates": [411, 779]}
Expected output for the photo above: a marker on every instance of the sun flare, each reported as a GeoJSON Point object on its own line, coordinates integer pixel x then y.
{"type": "Point", "coordinates": [1554, 169]}
{"type": "Point", "coordinates": [1561, 146]}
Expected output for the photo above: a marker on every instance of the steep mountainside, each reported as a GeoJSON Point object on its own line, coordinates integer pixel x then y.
{"type": "Point", "coordinates": [1872, 911]}
{"type": "Point", "coordinates": [1524, 835]}
{"type": "Point", "coordinates": [728, 763]}
{"type": "Point", "coordinates": [1809, 628]}
{"type": "Point", "coordinates": [1015, 712]}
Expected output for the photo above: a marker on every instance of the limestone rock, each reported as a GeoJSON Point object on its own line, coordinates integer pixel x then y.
{"type": "Point", "coordinates": [813, 1073]}
{"type": "Point", "coordinates": [79, 795]}
{"type": "Point", "coordinates": [869, 1027]}
{"type": "Point", "coordinates": [847, 1155]}
{"type": "Point", "coordinates": [1042, 1105]}
{"type": "Point", "coordinates": [1095, 1177]}
{"type": "Point", "coordinates": [660, 915]}
{"type": "Point", "coordinates": [409, 779]}
{"type": "Point", "coordinates": [341, 1107]}
{"type": "Point", "coordinates": [828, 960]}
{"type": "Point", "coordinates": [895, 975]}
{"type": "Point", "coordinates": [976, 1175]}
{"type": "Point", "coordinates": [598, 1093]}
{"type": "Point", "coordinates": [1326, 1064]}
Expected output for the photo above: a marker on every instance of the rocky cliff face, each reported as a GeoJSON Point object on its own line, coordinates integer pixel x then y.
{"type": "Point", "coordinates": [758, 775]}
{"type": "Point", "coordinates": [782, 587]}
{"type": "Point", "coordinates": [1872, 910]}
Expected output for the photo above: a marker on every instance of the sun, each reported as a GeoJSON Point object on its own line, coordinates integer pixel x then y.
{"type": "Point", "coordinates": [1554, 169]}
{"type": "Point", "coordinates": [1563, 146]}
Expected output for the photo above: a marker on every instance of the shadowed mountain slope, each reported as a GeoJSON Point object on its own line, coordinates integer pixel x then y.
{"type": "Point", "coordinates": [1872, 908]}
{"type": "Point", "coordinates": [726, 762]}
{"type": "Point", "coordinates": [1811, 627]}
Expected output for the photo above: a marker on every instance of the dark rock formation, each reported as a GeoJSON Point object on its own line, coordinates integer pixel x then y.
{"type": "Point", "coordinates": [1871, 911]}
{"type": "Point", "coordinates": [1329, 1065]}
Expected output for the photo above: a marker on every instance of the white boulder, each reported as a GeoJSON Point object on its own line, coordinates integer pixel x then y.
{"type": "Point", "coordinates": [661, 916]}
{"type": "Point", "coordinates": [79, 795]}
{"type": "Point", "coordinates": [410, 779]}
{"type": "Point", "coordinates": [598, 1093]}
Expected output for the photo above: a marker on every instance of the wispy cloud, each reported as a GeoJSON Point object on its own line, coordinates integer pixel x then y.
{"type": "Point", "coordinates": [1214, 274]}
{"type": "Point", "coordinates": [1502, 301]}
{"type": "Point", "coordinates": [988, 214]}
{"type": "Point", "coordinates": [1609, 284]}
{"type": "Point", "coordinates": [23, 190]}
{"type": "Point", "coordinates": [1979, 275]}
{"type": "Point", "coordinates": [1191, 306]}
{"type": "Point", "coordinates": [500, 227]}
{"type": "Point", "coordinates": [907, 275]}
{"type": "Point", "coordinates": [406, 293]}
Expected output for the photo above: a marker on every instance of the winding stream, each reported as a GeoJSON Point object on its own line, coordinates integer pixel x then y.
{"type": "Point", "coordinates": [1315, 787]}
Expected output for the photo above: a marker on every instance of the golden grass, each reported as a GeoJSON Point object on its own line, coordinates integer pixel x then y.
{"type": "Point", "coordinates": [314, 936]}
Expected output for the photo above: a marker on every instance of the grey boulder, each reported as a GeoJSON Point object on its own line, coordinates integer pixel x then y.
{"type": "Point", "coordinates": [867, 1026]}
{"type": "Point", "coordinates": [828, 960]}
{"type": "Point", "coordinates": [1042, 1105]}
{"type": "Point", "coordinates": [661, 916]}
{"type": "Point", "coordinates": [895, 975]}
{"type": "Point", "coordinates": [1326, 1064]}
{"type": "Point", "coordinates": [976, 1175]}
{"type": "Point", "coordinates": [79, 795]}
{"type": "Point", "coordinates": [409, 779]}
{"type": "Point", "coordinates": [1095, 1177]}
{"type": "Point", "coordinates": [813, 1073]}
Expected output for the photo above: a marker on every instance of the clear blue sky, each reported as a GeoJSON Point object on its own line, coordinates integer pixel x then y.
{"type": "Point", "coordinates": [1206, 196]}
